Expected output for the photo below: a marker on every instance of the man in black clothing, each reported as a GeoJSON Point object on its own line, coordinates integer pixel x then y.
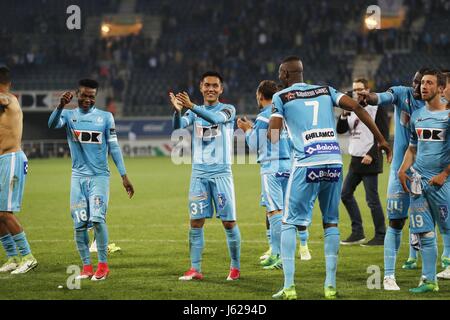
{"type": "Point", "coordinates": [366, 165]}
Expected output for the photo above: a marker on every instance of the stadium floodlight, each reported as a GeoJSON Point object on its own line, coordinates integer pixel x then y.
{"type": "Point", "coordinates": [106, 28]}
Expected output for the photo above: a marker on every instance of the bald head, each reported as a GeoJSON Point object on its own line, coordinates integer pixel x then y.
{"type": "Point", "coordinates": [291, 71]}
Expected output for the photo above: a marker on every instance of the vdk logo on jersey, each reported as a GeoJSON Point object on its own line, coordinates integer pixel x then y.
{"type": "Point", "coordinates": [84, 136]}
{"type": "Point", "coordinates": [315, 175]}
{"type": "Point", "coordinates": [430, 134]}
{"type": "Point", "coordinates": [322, 148]}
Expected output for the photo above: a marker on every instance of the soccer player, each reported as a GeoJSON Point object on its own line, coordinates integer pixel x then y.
{"type": "Point", "coordinates": [428, 156]}
{"type": "Point", "coordinates": [13, 171]}
{"type": "Point", "coordinates": [406, 100]}
{"type": "Point", "coordinates": [308, 114]}
{"type": "Point", "coordinates": [275, 161]}
{"type": "Point", "coordinates": [212, 179]}
{"type": "Point", "coordinates": [91, 134]}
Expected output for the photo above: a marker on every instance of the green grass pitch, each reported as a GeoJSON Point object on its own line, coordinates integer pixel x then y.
{"type": "Point", "coordinates": [152, 231]}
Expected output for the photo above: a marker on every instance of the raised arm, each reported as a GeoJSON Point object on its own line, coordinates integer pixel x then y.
{"type": "Point", "coordinates": [57, 120]}
{"type": "Point", "coordinates": [223, 116]}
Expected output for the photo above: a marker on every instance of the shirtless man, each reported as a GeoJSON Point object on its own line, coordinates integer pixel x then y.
{"type": "Point", "coordinates": [13, 170]}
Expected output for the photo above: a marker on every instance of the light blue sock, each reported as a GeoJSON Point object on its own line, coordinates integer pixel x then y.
{"type": "Point", "coordinates": [331, 253]}
{"type": "Point", "coordinates": [82, 241]}
{"type": "Point", "coordinates": [21, 242]}
{"type": "Point", "coordinates": [234, 246]}
{"type": "Point", "coordinates": [288, 245]}
{"type": "Point", "coordinates": [101, 236]}
{"type": "Point", "coordinates": [446, 240]}
{"type": "Point", "coordinates": [275, 233]}
{"type": "Point", "coordinates": [196, 245]}
{"type": "Point", "coordinates": [303, 236]}
{"type": "Point", "coordinates": [269, 239]}
{"type": "Point", "coordinates": [391, 245]}
{"type": "Point", "coordinates": [429, 257]}
{"type": "Point", "coordinates": [412, 251]}
{"type": "Point", "coordinates": [9, 245]}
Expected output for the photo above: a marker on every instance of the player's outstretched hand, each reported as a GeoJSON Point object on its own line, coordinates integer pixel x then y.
{"type": "Point", "coordinates": [128, 186]}
{"type": "Point", "coordinates": [185, 100]}
{"type": "Point", "coordinates": [438, 180]}
{"type": "Point", "coordinates": [65, 99]}
{"type": "Point", "coordinates": [384, 146]}
{"type": "Point", "coordinates": [175, 102]}
{"type": "Point", "coordinates": [363, 96]}
{"type": "Point", "coordinates": [402, 177]}
{"type": "Point", "coordinates": [244, 124]}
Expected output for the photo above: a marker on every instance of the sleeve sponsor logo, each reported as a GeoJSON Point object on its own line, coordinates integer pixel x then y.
{"type": "Point", "coordinates": [316, 175]}
{"type": "Point", "coordinates": [404, 119]}
{"type": "Point", "coordinates": [25, 167]}
{"type": "Point", "coordinates": [90, 137]}
{"type": "Point", "coordinates": [228, 113]}
{"type": "Point", "coordinates": [443, 213]}
{"type": "Point", "coordinates": [112, 132]}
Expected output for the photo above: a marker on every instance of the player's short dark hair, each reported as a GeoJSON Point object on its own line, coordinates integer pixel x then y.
{"type": "Point", "coordinates": [88, 83]}
{"type": "Point", "coordinates": [446, 73]}
{"type": "Point", "coordinates": [441, 78]}
{"type": "Point", "coordinates": [212, 74]}
{"type": "Point", "coordinates": [267, 88]}
{"type": "Point", "coordinates": [423, 70]}
{"type": "Point", "coordinates": [5, 75]}
{"type": "Point", "coordinates": [291, 58]}
{"type": "Point", "coordinates": [364, 81]}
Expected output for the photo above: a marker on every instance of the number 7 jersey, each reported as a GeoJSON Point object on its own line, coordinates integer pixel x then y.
{"type": "Point", "coordinates": [308, 113]}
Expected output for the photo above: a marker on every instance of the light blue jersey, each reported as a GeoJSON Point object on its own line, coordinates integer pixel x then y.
{"type": "Point", "coordinates": [431, 135]}
{"type": "Point", "coordinates": [310, 121]}
{"type": "Point", "coordinates": [90, 136]}
{"type": "Point", "coordinates": [212, 141]}
{"type": "Point", "coordinates": [405, 104]}
{"type": "Point", "coordinates": [273, 158]}
{"type": "Point", "coordinates": [212, 187]}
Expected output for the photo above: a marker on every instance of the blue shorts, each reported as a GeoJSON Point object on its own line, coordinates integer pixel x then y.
{"type": "Point", "coordinates": [397, 198]}
{"type": "Point", "coordinates": [430, 208]}
{"type": "Point", "coordinates": [89, 197]}
{"type": "Point", "coordinates": [204, 192]}
{"type": "Point", "coordinates": [273, 189]}
{"type": "Point", "coordinates": [305, 185]}
{"type": "Point", "coordinates": [13, 172]}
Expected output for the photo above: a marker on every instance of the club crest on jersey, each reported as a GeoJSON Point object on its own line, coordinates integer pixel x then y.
{"type": "Point", "coordinates": [430, 134]}
{"type": "Point", "coordinates": [84, 136]}
{"type": "Point", "coordinates": [222, 200]}
{"type": "Point", "coordinates": [316, 175]}
{"type": "Point", "coordinates": [443, 213]}
{"type": "Point", "coordinates": [98, 202]}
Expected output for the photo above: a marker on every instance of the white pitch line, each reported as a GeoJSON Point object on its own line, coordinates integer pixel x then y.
{"type": "Point", "coordinates": [262, 225]}
{"type": "Point", "coordinates": [158, 240]}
